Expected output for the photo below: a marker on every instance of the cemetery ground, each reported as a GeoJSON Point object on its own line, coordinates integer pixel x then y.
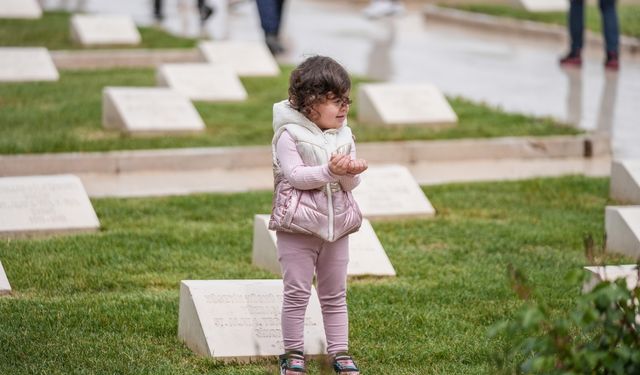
{"type": "Point", "coordinates": [629, 15]}
{"type": "Point", "coordinates": [52, 31]}
{"type": "Point", "coordinates": [107, 302]}
{"type": "Point", "coordinates": [65, 116]}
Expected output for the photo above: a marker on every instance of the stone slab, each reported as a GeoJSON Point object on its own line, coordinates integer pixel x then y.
{"type": "Point", "coordinates": [622, 226]}
{"type": "Point", "coordinates": [544, 5]}
{"type": "Point", "coordinates": [148, 110]}
{"type": "Point", "coordinates": [36, 205]}
{"type": "Point", "coordinates": [19, 64]}
{"type": "Point", "coordinates": [92, 59]}
{"type": "Point", "coordinates": [239, 320]}
{"type": "Point", "coordinates": [5, 287]}
{"type": "Point", "coordinates": [245, 57]}
{"type": "Point", "coordinates": [366, 254]}
{"type": "Point", "coordinates": [629, 272]}
{"type": "Point", "coordinates": [391, 192]}
{"type": "Point", "coordinates": [404, 104]}
{"type": "Point", "coordinates": [29, 9]}
{"type": "Point", "coordinates": [515, 151]}
{"type": "Point", "coordinates": [205, 82]}
{"type": "Point", "coordinates": [98, 30]}
{"type": "Point", "coordinates": [625, 181]}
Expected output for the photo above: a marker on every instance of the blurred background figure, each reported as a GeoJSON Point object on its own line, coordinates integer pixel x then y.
{"type": "Point", "coordinates": [609, 30]}
{"type": "Point", "coordinates": [205, 10]}
{"type": "Point", "coordinates": [270, 18]}
{"type": "Point", "coordinates": [383, 8]}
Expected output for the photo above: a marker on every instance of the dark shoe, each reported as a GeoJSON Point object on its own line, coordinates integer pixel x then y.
{"type": "Point", "coordinates": [292, 363]}
{"type": "Point", "coordinates": [205, 12]}
{"type": "Point", "coordinates": [274, 44]}
{"type": "Point", "coordinates": [612, 62]}
{"type": "Point", "coordinates": [572, 59]}
{"type": "Point", "coordinates": [343, 364]}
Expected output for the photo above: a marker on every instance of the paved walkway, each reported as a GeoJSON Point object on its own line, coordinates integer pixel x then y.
{"type": "Point", "coordinates": [515, 74]}
{"type": "Point", "coordinates": [160, 183]}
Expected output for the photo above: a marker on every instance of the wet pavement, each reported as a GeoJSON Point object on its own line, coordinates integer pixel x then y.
{"type": "Point", "coordinates": [515, 74]}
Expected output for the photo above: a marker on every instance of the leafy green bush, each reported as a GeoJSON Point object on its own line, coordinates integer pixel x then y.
{"type": "Point", "coordinates": [600, 336]}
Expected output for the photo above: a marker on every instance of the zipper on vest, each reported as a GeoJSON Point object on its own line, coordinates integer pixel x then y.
{"type": "Point", "coordinates": [330, 207]}
{"type": "Point", "coordinates": [329, 195]}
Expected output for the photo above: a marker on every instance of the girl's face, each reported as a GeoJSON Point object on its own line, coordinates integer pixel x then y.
{"type": "Point", "coordinates": [331, 113]}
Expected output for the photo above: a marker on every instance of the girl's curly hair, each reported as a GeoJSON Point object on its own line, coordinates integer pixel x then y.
{"type": "Point", "coordinates": [314, 80]}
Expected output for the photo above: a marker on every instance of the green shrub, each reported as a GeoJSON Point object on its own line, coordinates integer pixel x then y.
{"type": "Point", "coordinates": [601, 335]}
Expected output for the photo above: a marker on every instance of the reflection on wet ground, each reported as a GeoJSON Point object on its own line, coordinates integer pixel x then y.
{"type": "Point", "coordinates": [512, 73]}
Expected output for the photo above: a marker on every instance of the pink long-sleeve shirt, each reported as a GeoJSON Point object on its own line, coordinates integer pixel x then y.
{"type": "Point", "coordinates": [304, 177]}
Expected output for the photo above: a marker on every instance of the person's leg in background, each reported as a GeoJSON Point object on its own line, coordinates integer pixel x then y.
{"type": "Point", "coordinates": [204, 10]}
{"type": "Point", "coordinates": [157, 10]}
{"type": "Point", "coordinates": [270, 18]}
{"type": "Point", "coordinates": [576, 33]}
{"type": "Point", "coordinates": [611, 32]}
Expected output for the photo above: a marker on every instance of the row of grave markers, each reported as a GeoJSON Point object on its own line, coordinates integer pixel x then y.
{"type": "Point", "coordinates": [148, 110]}
{"type": "Point", "coordinates": [622, 225]}
{"type": "Point", "coordinates": [225, 319]}
{"type": "Point", "coordinates": [213, 311]}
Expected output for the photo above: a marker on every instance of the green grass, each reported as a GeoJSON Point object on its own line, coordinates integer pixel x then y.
{"type": "Point", "coordinates": [107, 302]}
{"type": "Point", "coordinates": [66, 116]}
{"type": "Point", "coordinates": [53, 31]}
{"type": "Point", "coordinates": [628, 15]}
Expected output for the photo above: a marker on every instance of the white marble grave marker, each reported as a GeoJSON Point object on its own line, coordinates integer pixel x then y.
{"type": "Point", "coordinates": [96, 30]}
{"type": "Point", "coordinates": [245, 57]}
{"type": "Point", "coordinates": [240, 319]}
{"type": "Point", "coordinates": [404, 104]}
{"type": "Point", "coordinates": [544, 5]}
{"type": "Point", "coordinates": [366, 254]}
{"type": "Point", "coordinates": [390, 191]}
{"type": "Point", "coordinates": [5, 287]}
{"type": "Point", "coordinates": [625, 181]}
{"type": "Point", "coordinates": [622, 226]}
{"type": "Point", "coordinates": [26, 64]}
{"type": "Point", "coordinates": [44, 204]}
{"type": "Point", "coordinates": [148, 110]}
{"type": "Point", "coordinates": [20, 9]}
{"type": "Point", "coordinates": [629, 272]}
{"type": "Point", "coordinates": [206, 82]}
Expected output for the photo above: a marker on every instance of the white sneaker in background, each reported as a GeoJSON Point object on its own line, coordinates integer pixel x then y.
{"type": "Point", "coordinates": [383, 8]}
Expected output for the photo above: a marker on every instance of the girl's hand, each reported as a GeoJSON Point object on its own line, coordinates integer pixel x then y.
{"type": "Point", "coordinates": [339, 164]}
{"type": "Point", "coordinates": [357, 166]}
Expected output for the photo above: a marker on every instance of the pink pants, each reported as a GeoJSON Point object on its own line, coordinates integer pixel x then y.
{"type": "Point", "coordinates": [301, 256]}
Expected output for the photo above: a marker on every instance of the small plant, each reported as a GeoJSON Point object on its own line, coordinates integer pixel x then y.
{"type": "Point", "coordinates": [601, 335]}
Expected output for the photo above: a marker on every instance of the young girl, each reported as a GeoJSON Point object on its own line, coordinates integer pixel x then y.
{"type": "Point", "coordinates": [315, 168]}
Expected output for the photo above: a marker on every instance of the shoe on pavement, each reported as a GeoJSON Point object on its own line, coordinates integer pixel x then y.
{"type": "Point", "coordinates": [383, 8]}
{"type": "Point", "coordinates": [572, 59]}
{"type": "Point", "coordinates": [274, 45]}
{"type": "Point", "coordinates": [205, 12]}
{"type": "Point", "coordinates": [612, 62]}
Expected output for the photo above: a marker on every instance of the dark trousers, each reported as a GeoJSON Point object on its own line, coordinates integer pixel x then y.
{"type": "Point", "coordinates": [270, 15]}
{"type": "Point", "coordinates": [157, 6]}
{"type": "Point", "coordinates": [609, 24]}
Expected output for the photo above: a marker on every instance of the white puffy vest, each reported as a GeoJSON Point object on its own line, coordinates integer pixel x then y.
{"type": "Point", "coordinates": [315, 148]}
